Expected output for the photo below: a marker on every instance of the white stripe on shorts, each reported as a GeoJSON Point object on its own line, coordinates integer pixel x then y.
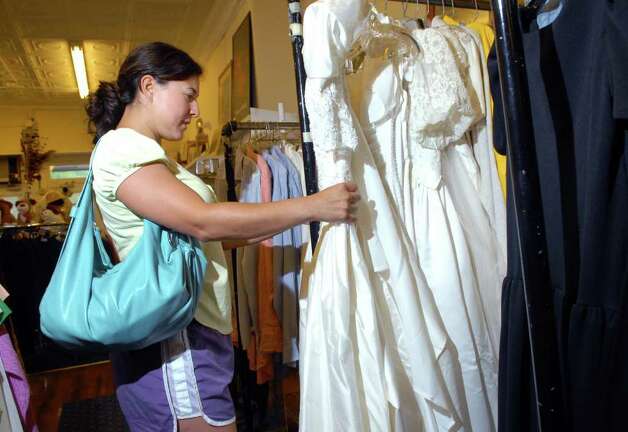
{"type": "Point", "coordinates": [179, 377]}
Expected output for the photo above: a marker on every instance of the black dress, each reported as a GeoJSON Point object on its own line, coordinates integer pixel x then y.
{"type": "Point", "coordinates": [578, 82]}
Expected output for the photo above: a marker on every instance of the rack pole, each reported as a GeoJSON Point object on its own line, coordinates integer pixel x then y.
{"type": "Point", "coordinates": [233, 126]}
{"type": "Point", "coordinates": [525, 191]}
{"type": "Point", "coordinates": [309, 159]}
{"type": "Point", "coordinates": [463, 4]}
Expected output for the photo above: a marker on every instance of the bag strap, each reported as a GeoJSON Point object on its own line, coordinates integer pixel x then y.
{"type": "Point", "coordinates": [87, 186]}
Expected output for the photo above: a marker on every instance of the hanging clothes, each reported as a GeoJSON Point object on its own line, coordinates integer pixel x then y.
{"type": "Point", "coordinates": [296, 157]}
{"type": "Point", "coordinates": [452, 235]}
{"type": "Point", "coordinates": [374, 353]}
{"type": "Point", "coordinates": [247, 256]}
{"type": "Point", "coordinates": [480, 135]}
{"type": "Point", "coordinates": [286, 254]}
{"type": "Point", "coordinates": [269, 327]}
{"type": "Point", "coordinates": [576, 72]}
{"type": "Point", "coordinates": [269, 338]}
{"type": "Point", "coordinates": [286, 301]}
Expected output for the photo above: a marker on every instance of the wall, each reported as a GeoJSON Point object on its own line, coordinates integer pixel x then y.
{"type": "Point", "coordinates": [273, 64]}
{"type": "Point", "coordinates": [63, 130]}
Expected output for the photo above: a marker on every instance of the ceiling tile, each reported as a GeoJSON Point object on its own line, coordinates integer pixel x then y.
{"type": "Point", "coordinates": [8, 47]}
{"type": "Point", "coordinates": [103, 60]}
{"type": "Point", "coordinates": [37, 8]}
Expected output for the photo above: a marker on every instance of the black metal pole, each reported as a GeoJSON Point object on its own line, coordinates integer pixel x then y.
{"type": "Point", "coordinates": [309, 159]}
{"type": "Point", "coordinates": [526, 197]}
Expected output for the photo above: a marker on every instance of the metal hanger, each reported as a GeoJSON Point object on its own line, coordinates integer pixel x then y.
{"type": "Point", "coordinates": [420, 21]}
{"type": "Point", "coordinates": [477, 11]}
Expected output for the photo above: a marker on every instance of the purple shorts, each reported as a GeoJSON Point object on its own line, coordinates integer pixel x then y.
{"type": "Point", "coordinates": [183, 377]}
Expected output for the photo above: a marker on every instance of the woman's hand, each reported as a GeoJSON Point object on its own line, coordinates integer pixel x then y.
{"type": "Point", "coordinates": [335, 204]}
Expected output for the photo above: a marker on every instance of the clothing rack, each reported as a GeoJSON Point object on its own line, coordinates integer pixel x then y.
{"type": "Point", "coordinates": [228, 130]}
{"type": "Point", "coordinates": [463, 4]}
{"type": "Point", "coordinates": [233, 126]}
{"type": "Point", "coordinates": [525, 191]}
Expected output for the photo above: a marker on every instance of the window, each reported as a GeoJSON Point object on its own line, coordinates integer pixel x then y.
{"type": "Point", "coordinates": [62, 172]}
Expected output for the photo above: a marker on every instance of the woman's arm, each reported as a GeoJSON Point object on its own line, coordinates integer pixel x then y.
{"type": "Point", "coordinates": [154, 193]}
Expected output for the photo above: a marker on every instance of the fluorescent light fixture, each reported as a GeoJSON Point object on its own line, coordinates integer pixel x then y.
{"type": "Point", "coordinates": [79, 70]}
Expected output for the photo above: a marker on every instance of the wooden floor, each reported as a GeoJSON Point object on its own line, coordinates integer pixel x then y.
{"type": "Point", "coordinates": [50, 390]}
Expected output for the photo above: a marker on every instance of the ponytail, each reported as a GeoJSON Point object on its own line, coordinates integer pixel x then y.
{"type": "Point", "coordinates": [105, 108]}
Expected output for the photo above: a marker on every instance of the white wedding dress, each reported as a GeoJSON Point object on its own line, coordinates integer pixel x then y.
{"type": "Point", "coordinates": [375, 355]}
{"type": "Point", "coordinates": [415, 117]}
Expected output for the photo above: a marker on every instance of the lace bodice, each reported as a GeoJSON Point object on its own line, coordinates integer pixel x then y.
{"type": "Point", "coordinates": [441, 106]}
{"type": "Point", "coordinates": [469, 63]}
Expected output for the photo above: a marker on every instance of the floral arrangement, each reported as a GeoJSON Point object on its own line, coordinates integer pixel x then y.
{"type": "Point", "coordinates": [34, 153]}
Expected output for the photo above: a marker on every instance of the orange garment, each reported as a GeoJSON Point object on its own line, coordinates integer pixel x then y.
{"type": "Point", "coordinates": [270, 337]}
{"type": "Point", "coordinates": [261, 363]}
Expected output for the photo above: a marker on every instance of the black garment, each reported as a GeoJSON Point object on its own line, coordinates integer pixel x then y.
{"type": "Point", "coordinates": [578, 83]}
{"type": "Point", "coordinates": [26, 266]}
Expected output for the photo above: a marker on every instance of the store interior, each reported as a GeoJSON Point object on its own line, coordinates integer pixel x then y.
{"type": "Point", "coordinates": [53, 53]}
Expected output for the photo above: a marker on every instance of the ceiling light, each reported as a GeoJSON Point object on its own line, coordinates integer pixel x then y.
{"type": "Point", "coordinates": [79, 71]}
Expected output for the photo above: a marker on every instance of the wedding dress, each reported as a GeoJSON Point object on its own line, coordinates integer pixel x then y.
{"type": "Point", "coordinates": [456, 245]}
{"type": "Point", "coordinates": [375, 355]}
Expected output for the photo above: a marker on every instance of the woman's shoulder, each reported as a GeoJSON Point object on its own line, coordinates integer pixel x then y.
{"type": "Point", "coordinates": [128, 148]}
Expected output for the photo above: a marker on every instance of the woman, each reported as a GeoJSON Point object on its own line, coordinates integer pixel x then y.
{"type": "Point", "coordinates": [181, 383]}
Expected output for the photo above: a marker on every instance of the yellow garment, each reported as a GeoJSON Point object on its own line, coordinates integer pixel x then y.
{"type": "Point", "coordinates": [119, 154]}
{"type": "Point", "coordinates": [450, 21]}
{"type": "Point", "coordinates": [487, 36]}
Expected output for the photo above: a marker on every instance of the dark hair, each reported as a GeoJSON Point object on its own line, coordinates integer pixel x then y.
{"type": "Point", "coordinates": [158, 59]}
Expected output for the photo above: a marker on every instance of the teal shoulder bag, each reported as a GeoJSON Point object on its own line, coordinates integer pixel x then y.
{"type": "Point", "coordinates": [91, 304]}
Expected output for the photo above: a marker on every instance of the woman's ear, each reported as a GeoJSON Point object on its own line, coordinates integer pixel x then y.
{"type": "Point", "coordinates": [146, 87]}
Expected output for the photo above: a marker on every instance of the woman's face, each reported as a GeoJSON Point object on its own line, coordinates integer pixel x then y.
{"type": "Point", "coordinates": [174, 106]}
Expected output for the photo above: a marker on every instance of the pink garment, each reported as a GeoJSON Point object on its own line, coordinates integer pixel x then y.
{"type": "Point", "coordinates": [17, 380]}
{"type": "Point", "coordinates": [266, 183]}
